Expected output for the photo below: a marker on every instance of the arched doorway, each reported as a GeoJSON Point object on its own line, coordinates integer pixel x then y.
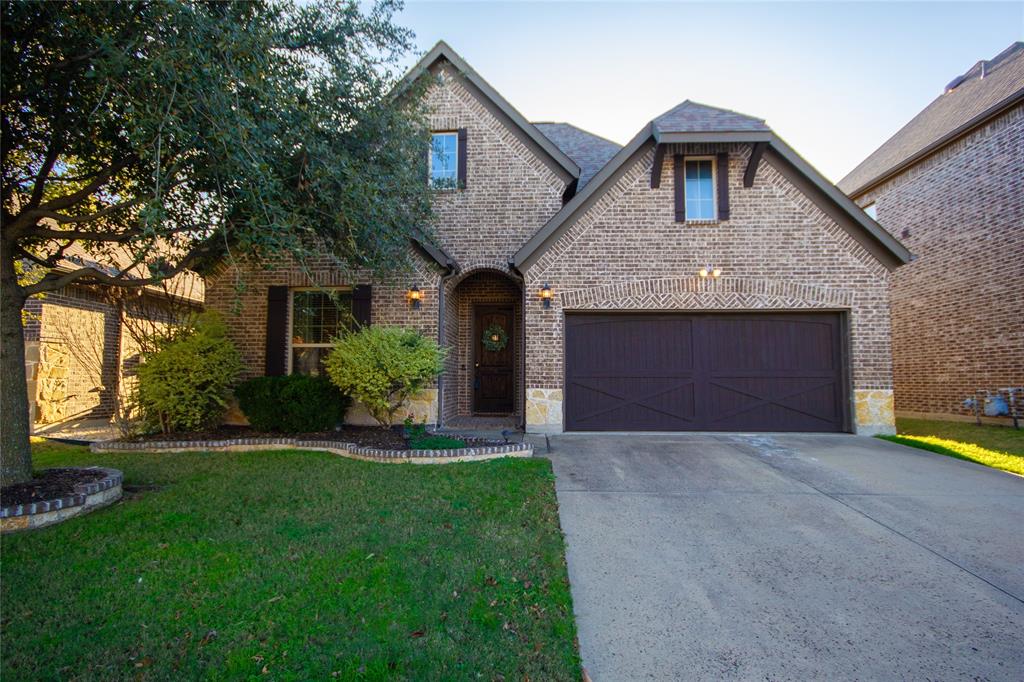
{"type": "Point", "coordinates": [482, 385]}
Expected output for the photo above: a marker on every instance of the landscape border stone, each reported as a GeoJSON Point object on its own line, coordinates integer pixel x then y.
{"type": "Point", "coordinates": [86, 498]}
{"type": "Point", "coordinates": [471, 453]}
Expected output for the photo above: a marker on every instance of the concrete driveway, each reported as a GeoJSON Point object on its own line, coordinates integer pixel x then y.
{"type": "Point", "coordinates": [790, 557]}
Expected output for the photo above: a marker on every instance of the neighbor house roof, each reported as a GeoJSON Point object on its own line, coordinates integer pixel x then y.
{"type": "Point", "coordinates": [499, 107]}
{"type": "Point", "coordinates": [986, 90]}
{"type": "Point", "coordinates": [682, 124]}
{"type": "Point", "coordinates": [590, 152]}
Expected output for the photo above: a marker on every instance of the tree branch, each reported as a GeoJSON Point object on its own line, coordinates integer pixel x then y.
{"type": "Point", "coordinates": [67, 200]}
{"type": "Point", "coordinates": [53, 281]}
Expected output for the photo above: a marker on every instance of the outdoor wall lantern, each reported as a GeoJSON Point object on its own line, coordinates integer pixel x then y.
{"type": "Point", "coordinates": [709, 271]}
{"type": "Point", "coordinates": [545, 295]}
{"type": "Point", "coordinates": [415, 296]}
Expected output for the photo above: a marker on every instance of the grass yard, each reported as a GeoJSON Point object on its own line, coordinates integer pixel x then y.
{"type": "Point", "coordinates": [294, 566]}
{"type": "Point", "coordinates": [995, 446]}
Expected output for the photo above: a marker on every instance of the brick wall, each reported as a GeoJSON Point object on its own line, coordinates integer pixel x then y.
{"type": "Point", "coordinates": [510, 193]}
{"type": "Point", "coordinates": [957, 318]}
{"type": "Point", "coordinates": [778, 251]}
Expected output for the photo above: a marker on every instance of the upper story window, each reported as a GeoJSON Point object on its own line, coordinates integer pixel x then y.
{"type": "Point", "coordinates": [317, 317]}
{"type": "Point", "coordinates": [444, 160]}
{"type": "Point", "coordinates": [871, 210]}
{"type": "Point", "coordinates": [700, 188]}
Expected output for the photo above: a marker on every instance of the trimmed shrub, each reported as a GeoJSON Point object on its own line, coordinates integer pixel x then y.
{"type": "Point", "coordinates": [292, 404]}
{"type": "Point", "coordinates": [382, 367]}
{"type": "Point", "coordinates": [185, 384]}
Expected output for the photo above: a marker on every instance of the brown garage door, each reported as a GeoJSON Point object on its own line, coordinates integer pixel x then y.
{"type": "Point", "coordinates": [710, 372]}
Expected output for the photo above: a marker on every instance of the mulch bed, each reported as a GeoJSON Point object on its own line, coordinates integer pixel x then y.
{"type": "Point", "coordinates": [51, 484]}
{"type": "Point", "coordinates": [364, 436]}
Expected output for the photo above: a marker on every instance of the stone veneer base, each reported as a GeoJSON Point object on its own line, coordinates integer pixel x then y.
{"type": "Point", "coordinates": [350, 450]}
{"type": "Point", "coordinates": [86, 498]}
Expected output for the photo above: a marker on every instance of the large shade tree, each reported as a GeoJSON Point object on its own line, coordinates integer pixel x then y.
{"type": "Point", "coordinates": [150, 138]}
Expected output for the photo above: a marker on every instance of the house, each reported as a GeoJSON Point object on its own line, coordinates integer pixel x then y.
{"type": "Point", "coordinates": [702, 277]}
{"type": "Point", "coordinates": [83, 342]}
{"type": "Point", "coordinates": [950, 185]}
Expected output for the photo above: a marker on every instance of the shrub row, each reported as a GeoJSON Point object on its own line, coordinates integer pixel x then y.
{"type": "Point", "coordinates": [186, 383]}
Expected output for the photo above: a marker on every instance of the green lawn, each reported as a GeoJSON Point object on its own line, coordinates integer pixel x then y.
{"type": "Point", "coordinates": [294, 566]}
{"type": "Point", "coordinates": [994, 446]}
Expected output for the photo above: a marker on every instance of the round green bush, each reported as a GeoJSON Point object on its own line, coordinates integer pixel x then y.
{"type": "Point", "coordinates": [185, 384]}
{"type": "Point", "coordinates": [292, 404]}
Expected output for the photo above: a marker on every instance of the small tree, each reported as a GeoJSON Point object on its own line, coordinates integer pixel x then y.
{"type": "Point", "coordinates": [382, 367]}
{"type": "Point", "coordinates": [186, 384]}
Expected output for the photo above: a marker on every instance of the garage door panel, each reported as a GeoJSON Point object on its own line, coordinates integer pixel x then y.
{"type": "Point", "coordinates": [775, 343]}
{"type": "Point", "coordinates": [675, 372]}
{"type": "Point", "coordinates": [605, 403]}
{"type": "Point", "coordinates": [765, 403]}
{"type": "Point", "coordinates": [649, 346]}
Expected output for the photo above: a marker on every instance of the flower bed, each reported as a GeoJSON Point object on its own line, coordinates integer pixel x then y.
{"type": "Point", "coordinates": [56, 495]}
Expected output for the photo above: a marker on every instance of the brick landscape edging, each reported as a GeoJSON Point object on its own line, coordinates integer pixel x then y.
{"type": "Point", "coordinates": [472, 453]}
{"type": "Point", "coordinates": [87, 497]}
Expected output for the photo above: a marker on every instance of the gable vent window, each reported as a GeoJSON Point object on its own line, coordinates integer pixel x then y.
{"type": "Point", "coordinates": [872, 211]}
{"type": "Point", "coordinates": [317, 317]}
{"type": "Point", "coordinates": [700, 188]}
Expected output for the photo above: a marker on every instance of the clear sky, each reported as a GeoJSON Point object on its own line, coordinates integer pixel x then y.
{"type": "Point", "coordinates": [833, 79]}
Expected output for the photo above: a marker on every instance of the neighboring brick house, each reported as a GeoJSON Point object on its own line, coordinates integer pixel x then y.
{"type": "Point", "coordinates": [565, 278]}
{"type": "Point", "coordinates": [82, 344]}
{"type": "Point", "coordinates": [950, 185]}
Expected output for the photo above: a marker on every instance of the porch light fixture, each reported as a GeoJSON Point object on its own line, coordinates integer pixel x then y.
{"type": "Point", "coordinates": [545, 295]}
{"type": "Point", "coordinates": [710, 271]}
{"type": "Point", "coordinates": [415, 296]}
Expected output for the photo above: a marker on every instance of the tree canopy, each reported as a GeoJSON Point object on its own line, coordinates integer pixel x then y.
{"type": "Point", "coordinates": [147, 138]}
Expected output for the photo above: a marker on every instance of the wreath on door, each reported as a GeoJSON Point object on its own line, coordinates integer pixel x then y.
{"type": "Point", "coordinates": [495, 338]}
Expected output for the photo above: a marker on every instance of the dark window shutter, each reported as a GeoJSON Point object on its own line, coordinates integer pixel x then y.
{"type": "Point", "coordinates": [361, 300]}
{"type": "Point", "coordinates": [426, 160]}
{"type": "Point", "coordinates": [723, 186]}
{"type": "Point", "coordinates": [679, 183]}
{"type": "Point", "coordinates": [462, 158]}
{"type": "Point", "coordinates": [276, 361]}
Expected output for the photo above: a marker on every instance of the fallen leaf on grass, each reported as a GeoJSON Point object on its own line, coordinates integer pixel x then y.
{"type": "Point", "coordinates": [417, 633]}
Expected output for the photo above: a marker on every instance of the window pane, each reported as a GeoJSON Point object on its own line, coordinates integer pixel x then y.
{"type": "Point", "coordinates": [309, 360]}
{"type": "Point", "coordinates": [444, 159]}
{"type": "Point", "coordinates": [700, 190]}
{"type": "Point", "coordinates": [319, 316]}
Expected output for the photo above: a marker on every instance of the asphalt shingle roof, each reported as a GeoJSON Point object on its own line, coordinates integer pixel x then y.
{"type": "Point", "coordinates": [966, 97]}
{"type": "Point", "coordinates": [693, 117]}
{"type": "Point", "coordinates": [590, 152]}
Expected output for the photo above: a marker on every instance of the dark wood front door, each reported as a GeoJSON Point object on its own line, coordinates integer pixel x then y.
{"type": "Point", "coordinates": [494, 371]}
{"type": "Point", "coordinates": [710, 372]}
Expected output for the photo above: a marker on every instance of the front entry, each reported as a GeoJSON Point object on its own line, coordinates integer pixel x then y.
{"type": "Point", "coordinates": [494, 360]}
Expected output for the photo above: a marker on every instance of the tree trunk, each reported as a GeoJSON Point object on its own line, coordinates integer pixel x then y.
{"type": "Point", "coordinates": [15, 456]}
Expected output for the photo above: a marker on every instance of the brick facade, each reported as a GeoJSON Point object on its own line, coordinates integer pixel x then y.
{"type": "Point", "coordinates": [778, 251]}
{"type": "Point", "coordinates": [957, 309]}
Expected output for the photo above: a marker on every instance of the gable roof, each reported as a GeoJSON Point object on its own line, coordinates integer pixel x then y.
{"type": "Point", "coordinates": [679, 125]}
{"type": "Point", "coordinates": [986, 90]}
{"type": "Point", "coordinates": [693, 117]}
{"type": "Point", "coordinates": [590, 152]}
{"type": "Point", "coordinates": [500, 107]}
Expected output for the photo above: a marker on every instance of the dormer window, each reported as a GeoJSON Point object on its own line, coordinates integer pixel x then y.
{"type": "Point", "coordinates": [700, 188]}
{"type": "Point", "coordinates": [444, 160]}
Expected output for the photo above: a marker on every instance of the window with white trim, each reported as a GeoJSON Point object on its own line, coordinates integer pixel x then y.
{"type": "Point", "coordinates": [444, 160]}
{"type": "Point", "coordinates": [317, 316]}
{"type": "Point", "coordinates": [871, 210]}
{"type": "Point", "coordinates": [700, 188]}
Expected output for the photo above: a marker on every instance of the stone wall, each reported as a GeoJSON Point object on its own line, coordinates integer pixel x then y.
{"type": "Point", "coordinates": [957, 310]}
